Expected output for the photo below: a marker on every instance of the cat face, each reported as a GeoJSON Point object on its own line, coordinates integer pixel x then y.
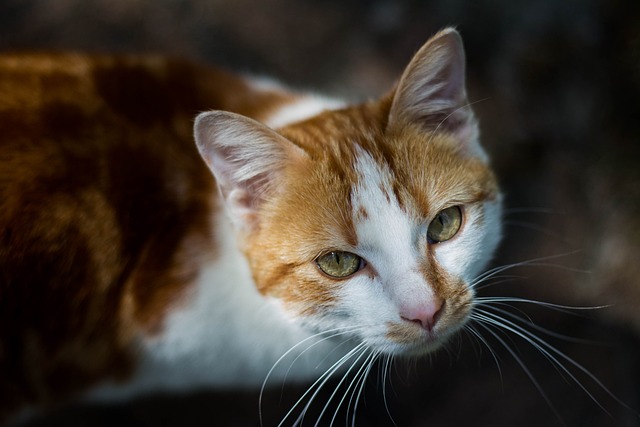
{"type": "Point", "coordinates": [373, 219]}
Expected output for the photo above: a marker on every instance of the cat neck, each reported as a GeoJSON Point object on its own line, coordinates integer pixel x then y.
{"type": "Point", "coordinates": [204, 340]}
{"type": "Point", "coordinates": [225, 334]}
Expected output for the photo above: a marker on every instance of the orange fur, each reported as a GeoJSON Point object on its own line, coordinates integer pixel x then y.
{"type": "Point", "coordinates": [428, 167]}
{"type": "Point", "coordinates": [105, 209]}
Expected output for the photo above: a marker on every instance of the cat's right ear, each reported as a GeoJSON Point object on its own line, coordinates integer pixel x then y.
{"type": "Point", "coordinates": [247, 159]}
{"type": "Point", "coordinates": [432, 91]}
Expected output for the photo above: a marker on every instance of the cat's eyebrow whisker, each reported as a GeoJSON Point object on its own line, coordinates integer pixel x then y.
{"type": "Point", "coordinates": [530, 210]}
{"type": "Point", "coordinates": [505, 278]}
{"type": "Point", "coordinates": [467, 105]}
{"type": "Point", "coordinates": [435, 131]}
{"type": "Point", "coordinates": [534, 227]}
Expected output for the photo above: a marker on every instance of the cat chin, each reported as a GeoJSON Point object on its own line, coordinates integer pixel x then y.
{"type": "Point", "coordinates": [414, 350]}
{"type": "Point", "coordinates": [421, 350]}
{"type": "Point", "coordinates": [410, 342]}
{"type": "Point", "coordinates": [394, 339]}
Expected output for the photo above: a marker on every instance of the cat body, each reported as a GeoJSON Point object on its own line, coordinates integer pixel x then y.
{"type": "Point", "coordinates": [133, 259]}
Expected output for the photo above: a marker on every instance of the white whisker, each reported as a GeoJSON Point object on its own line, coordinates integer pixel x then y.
{"type": "Point", "coordinates": [334, 333]}
{"type": "Point", "coordinates": [361, 368]}
{"type": "Point", "coordinates": [337, 388]}
{"type": "Point", "coordinates": [362, 381]}
{"type": "Point", "coordinates": [534, 227]}
{"type": "Point", "coordinates": [530, 210]}
{"type": "Point", "coordinates": [493, 302]}
{"type": "Point", "coordinates": [385, 374]}
{"type": "Point", "coordinates": [503, 279]}
{"type": "Point", "coordinates": [334, 349]}
{"type": "Point", "coordinates": [467, 105]}
{"type": "Point", "coordinates": [484, 325]}
{"type": "Point", "coordinates": [433, 134]}
{"type": "Point", "coordinates": [564, 308]}
{"type": "Point", "coordinates": [477, 335]}
{"type": "Point", "coordinates": [535, 262]}
{"type": "Point", "coordinates": [549, 351]}
{"type": "Point", "coordinates": [320, 382]}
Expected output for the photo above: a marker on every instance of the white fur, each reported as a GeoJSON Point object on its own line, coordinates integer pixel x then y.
{"type": "Point", "coordinates": [469, 251]}
{"type": "Point", "coordinates": [304, 107]}
{"type": "Point", "coordinates": [389, 240]}
{"type": "Point", "coordinates": [394, 244]}
{"type": "Point", "coordinates": [225, 335]}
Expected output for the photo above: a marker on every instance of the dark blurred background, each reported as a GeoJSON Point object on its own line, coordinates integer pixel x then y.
{"type": "Point", "coordinates": [558, 90]}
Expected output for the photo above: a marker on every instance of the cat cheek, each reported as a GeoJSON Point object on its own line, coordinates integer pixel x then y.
{"type": "Point", "coordinates": [306, 295]}
{"type": "Point", "coordinates": [388, 328]}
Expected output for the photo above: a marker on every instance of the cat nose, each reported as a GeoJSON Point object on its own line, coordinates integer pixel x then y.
{"type": "Point", "coordinates": [426, 314]}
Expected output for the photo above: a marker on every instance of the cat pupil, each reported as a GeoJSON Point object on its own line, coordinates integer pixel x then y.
{"type": "Point", "coordinates": [337, 259]}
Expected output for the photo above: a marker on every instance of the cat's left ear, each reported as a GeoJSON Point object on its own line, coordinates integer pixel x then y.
{"type": "Point", "coordinates": [247, 159]}
{"type": "Point", "coordinates": [431, 91]}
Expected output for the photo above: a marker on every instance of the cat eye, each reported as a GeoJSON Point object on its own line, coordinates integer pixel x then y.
{"type": "Point", "coordinates": [445, 225]}
{"type": "Point", "coordinates": [339, 264]}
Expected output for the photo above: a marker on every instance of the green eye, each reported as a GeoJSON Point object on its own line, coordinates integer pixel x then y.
{"type": "Point", "coordinates": [445, 225]}
{"type": "Point", "coordinates": [339, 264]}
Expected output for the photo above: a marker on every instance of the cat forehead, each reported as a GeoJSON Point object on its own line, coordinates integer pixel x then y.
{"type": "Point", "coordinates": [380, 223]}
{"type": "Point", "coordinates": [373, 187]}
{"type": "Point", "coordinates": [351, 176]}
{"type": "Point", "coordinates": [419, 158]}
{"type": "Point", "coordinates": [420, 173]}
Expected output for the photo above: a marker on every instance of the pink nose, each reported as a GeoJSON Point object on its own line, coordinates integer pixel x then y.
{"type": "Point", "coordinates": [425, 314]}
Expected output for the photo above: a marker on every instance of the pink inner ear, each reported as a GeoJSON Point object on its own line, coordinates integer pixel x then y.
{"type": "Point", "coordinates": [246, 157]}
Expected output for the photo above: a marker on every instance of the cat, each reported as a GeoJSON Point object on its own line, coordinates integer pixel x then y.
{"type": "Point", "coordinates": [280, 235]}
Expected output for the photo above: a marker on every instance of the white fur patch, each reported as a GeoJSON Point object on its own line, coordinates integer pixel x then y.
{"type": "Point", "coordinates": [302, 108]}
{"type": "Point", "coordinates": [387, 237]}
{"type": "Point", "coordinates": [226, 335]}
{"type": "Point", "coordinates": [468, 252]}
{"type": "Point", "coordinates": [394, 245]}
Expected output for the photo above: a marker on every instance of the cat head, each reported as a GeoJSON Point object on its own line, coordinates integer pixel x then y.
{"type": "Point", "coordinates": [374, 218]}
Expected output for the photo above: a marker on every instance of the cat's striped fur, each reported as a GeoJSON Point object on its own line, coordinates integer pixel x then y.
{"type": "Point", "coordinates": [123, 270]}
